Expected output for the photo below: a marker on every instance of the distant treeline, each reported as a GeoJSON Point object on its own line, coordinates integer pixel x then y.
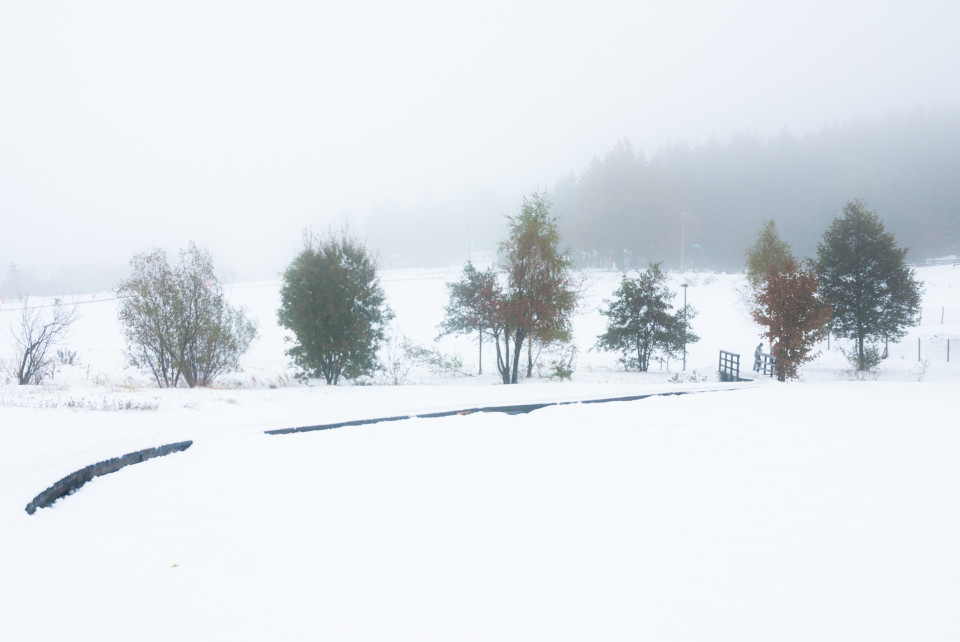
{"type": "Point", "coordinates": [711, 200]}
{"type": "Point", "coordinates": [627, 209]}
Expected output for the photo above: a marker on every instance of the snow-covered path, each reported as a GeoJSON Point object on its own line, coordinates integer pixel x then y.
{"type": "Point", "coordinates": [796, 512]}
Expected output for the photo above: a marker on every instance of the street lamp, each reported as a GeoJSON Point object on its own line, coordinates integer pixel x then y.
{"type": "Point", "coordinates": [684, 286]}
{"type": "Point", "coordinates": [682, 243]}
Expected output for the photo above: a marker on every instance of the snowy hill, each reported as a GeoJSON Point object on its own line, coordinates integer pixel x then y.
{"type": "Point", "coordinates": [821, 509]}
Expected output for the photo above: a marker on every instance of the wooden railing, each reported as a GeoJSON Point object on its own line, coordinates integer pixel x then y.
{"type": "Point", "coordinates": [767, 362]}
{"type": "Point", "coordinates": [729, 366]}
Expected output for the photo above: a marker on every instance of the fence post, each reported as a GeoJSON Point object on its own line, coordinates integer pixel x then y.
{"type": "Point", "coordinates": [918, 349]}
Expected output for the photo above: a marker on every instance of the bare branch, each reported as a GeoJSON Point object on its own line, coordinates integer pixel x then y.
{"type": "Point", "coordinates": [34, 337]}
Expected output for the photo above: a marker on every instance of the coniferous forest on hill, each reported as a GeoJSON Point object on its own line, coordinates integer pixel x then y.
{"type": "Point", "coordinates": [711, 200]}
{"type": "Point", "coordinates": [628, 207]}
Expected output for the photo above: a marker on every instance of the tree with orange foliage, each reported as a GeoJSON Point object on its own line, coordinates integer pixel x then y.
{"type": "Point", "coordinates": [541, 293]}
{"type": "Point", "coordinates": [794, 317]}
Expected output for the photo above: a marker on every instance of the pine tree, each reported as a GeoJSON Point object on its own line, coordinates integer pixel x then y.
{"type": "Point", "coordinates": [612, 213]}
{"type": "Point", "coordinates": [641, 320]}
{"type": "Point", "coordinates": [864, 276]}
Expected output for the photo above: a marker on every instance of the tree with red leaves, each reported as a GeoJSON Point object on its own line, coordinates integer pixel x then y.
{"type": "Point", "coordinates": [794, 317]}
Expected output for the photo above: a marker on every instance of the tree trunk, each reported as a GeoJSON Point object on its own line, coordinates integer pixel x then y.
{"type": "Point", "coordinates": [503, 360]}
{"type": "Point", "coordinates": [517, 351]}
{"type": "Point", "coordinates": [480, 358]}
{"type": "Point", "coordinates": [529, 356]}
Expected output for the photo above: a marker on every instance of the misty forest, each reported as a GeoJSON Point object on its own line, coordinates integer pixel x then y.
{"type": "Point", "coordinates": [696, 204]}
{"type": "Point", "coordinates": [627, 209]}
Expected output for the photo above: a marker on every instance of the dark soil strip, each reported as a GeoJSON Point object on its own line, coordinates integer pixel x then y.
{"type": "Point", "coordinates": [510, 410]}
{"type": "Point", "coordinates": [73, 481]}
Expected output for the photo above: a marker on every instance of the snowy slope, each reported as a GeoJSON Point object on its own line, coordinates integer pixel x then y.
{"type": "Point", "coordinates": [823, 509]}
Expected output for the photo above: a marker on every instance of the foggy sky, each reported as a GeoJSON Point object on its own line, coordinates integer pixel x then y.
{"type": "Point", "coordinates": [127, 125]}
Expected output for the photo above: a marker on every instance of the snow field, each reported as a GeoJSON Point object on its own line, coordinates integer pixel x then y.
{"type": "Point", "coordinates": [824, 509]}
{"type": "Point", "coordinates": [673, 518]}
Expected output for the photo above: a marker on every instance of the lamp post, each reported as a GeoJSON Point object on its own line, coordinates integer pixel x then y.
{"type": "Point", "coordinates": [682, 243]}
{"type": "Point", "coordinates": [684, 286]}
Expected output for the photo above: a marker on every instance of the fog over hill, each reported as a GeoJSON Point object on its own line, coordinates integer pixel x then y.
{"type": "Point", "coordinates": [712, 199]}
{"type": "Point", "coordinates": [421, 126]}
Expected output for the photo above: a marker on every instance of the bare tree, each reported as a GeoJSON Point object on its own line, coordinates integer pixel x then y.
{"type": "Point", "coordinates": [35, 336]}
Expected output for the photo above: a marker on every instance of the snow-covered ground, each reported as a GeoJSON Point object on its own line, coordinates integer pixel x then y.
{"type": "Point", "coordinates": [823, 509]}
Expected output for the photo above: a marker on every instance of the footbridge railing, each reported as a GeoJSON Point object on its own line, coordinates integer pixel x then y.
{"type": "Point", "coordinates": [729, 366]}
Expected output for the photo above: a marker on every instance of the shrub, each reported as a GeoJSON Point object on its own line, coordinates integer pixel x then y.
{"type": "Point", "coordinates": [864, 364]}
{"type": "Point", "coordinates": [176, 321]}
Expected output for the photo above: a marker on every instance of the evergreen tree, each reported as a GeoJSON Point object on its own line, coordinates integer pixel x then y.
{"type": "Point", "coordinates": [641, 320]}
{"type": "Point", "coordinates": [612, 213]}
{"type": "Point", "coordinates": [541, 293]}
{"type": "Point", "coordinates": [863, 274]}
{"type": "Point", "coordinates": [794, 317]}
{"type": "Point", "coordinates": [332, 301]}
{"type": "Point", "coordinates": [472, 306]}
{"type": "Point", "coordinates": [769, 253]}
